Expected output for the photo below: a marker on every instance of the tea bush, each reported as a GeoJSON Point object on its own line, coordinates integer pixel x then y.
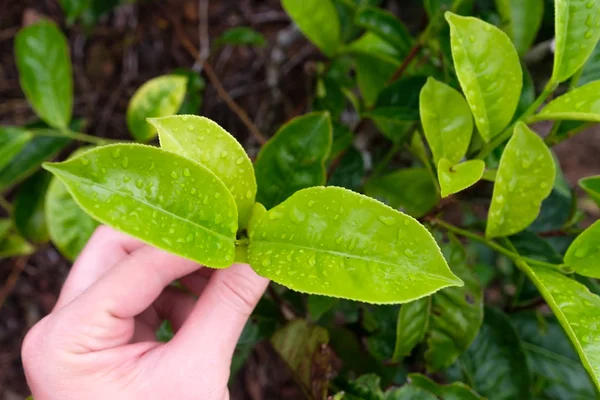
{"type": "Point", "coordinates": [346, 241]}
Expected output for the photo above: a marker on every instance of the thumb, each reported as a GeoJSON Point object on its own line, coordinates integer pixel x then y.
{"type": "Point", "coordinates": [220, 314]}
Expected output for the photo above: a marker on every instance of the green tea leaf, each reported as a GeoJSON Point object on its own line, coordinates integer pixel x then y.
{"type": "Point", "coordinates": [162, 198]}
{"type": "Point", "coordinates": [453, 391]}
{"type": "Point", "coordinates": [489, 71]}
{"type": "Point", "coordinates": [591, 70]}
{"type": "Point", "coordinates": [317, 242]}
{"type": "Point", "coordinates": [342, 139]}
{"type": "Point", "coordinates": [69, 226]}
{"type": "Point", "coordinates": [14, 246]}
{"type": "Point", "coordinates": [372, 76]}
{"type": "Point", "coordinates": [525, 178]}
{"type": "Point", "coordinates": [44, 64]}
{"type": "Point", "coordinates": [447, 121]}
{"type": "Point", "coordinates": [411, 190]}
{"type": "Point", "coordinates": [385, 25]}
{"type": "Point", "coordinates": [413, 321]}
{"type": "Point", "coordinates": [300, 346]}
{"type": "Point", "coordinates": [576, 308]}
{"type": "Point", "coordinates": [591, 185]}
{"type": "Point", "coordinates": [554, 367]}
{"type": "Point", "coordinates": [456, 313]}
{"type": "Point", "coordinates": [12, 141]}
{"type": "Point", "coordinates": [294, 158]}
{"type": "Point", "coordinates": [583, 254]}
{"type": "Point", "coordinates": [5, 225]}
{"type": "Point", "coordinates": [318, 21]}
{"type": "Point", "coordinates": [159, 97]}
{"type": "Point", "coordinates": [205, 142]}
{"type": "Point", "coordinates": [576, 36]}
{"type": "Point", "coordinates": [241, 36]}
{"type": "Point", "coordinates": [495, 362]}
{"type": "Point", "coordinates": [521, 21]}
{"type": "Point", "coordinates": [350, 170]}
{"type": "Point", "coordinates": [29, 159]}
{"type": "Point", "coordinates": [28, 208]}
{"type": "Point", "coordinates": [580, 104]}
{"type": "Point", "coordinates": [456, 178]}
{"type": "Point", "coordinates": [318, 305]}
{"type": "Point", "coordinates": [381, 324]}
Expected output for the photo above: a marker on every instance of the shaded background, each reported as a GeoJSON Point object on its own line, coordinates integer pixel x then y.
{"type": "Point", "coordinates": [137, 42]}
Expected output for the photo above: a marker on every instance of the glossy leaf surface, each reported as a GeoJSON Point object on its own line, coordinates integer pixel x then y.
{"type": "Point", "coordinates": [241, 36]}
{"type": "Point", "coordinates": [28, 208]}
{"type": "Point", "coordinates": [577, 310]}
{"type": "Point", "coordinates": [42, 57]}
{"type": "Point", "coordinates": [385, 25]}
{"type": "Point", "coordinates": [447, 121]}
{"type": "Point", "coordinates": [456, 178]}
{"type": "Point", "coordinates": [577, 34]}
{"type": "Point", "coordinates": [14, 246]}
{"type": "Point", "coordinates": [412, 324]}
{"type": "Point", "coordinates": [591, 185]}
{"type": "Point", "coordinates": [318, 21]}
{"type": "Point", "coordinates": [554, 366]}
{"type": "Point", "coordinates": [525, 178]}
{"type": "Point", "coordinates": [336, 242]}
{"type": "Point", "coordinates": [580, 104]}
{"type": "Point", "coordinates": [29, 159]}
{"type": "Point", "coordinates": [12, 141]}
{"type": "Point", "coordinates": [453, 391]}
{"type": "Point", "coordinates": [205, 142]}
{"type": "Point", "coordinates": [159, 97]}
{"type": "Point", "coordinates": [584, 253]}
{"type": "Point", "coordinates": [489, 71]}
{"type": "Point", "coordinates": [456, 313]}
{"type": "Point", "coordinates": [294, 158]}
{"type": "Point", "coordinates": [411, 190]}
{"type": "Point", "coordinates": [495, 363]}
{"type": "Point", "coordinates": [164, 199]}
{"type": "Point", "coordinates": [521, 21]}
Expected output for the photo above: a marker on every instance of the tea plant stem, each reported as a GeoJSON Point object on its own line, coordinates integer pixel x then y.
{"type": "Point", "coordinates": [5, 204]}
{"type": "Point", "coordinates": [493, 245]}
{"type": "Point", "coordinates": [505, 135]}
{"type": "Point", "coordinates": [553, 140]}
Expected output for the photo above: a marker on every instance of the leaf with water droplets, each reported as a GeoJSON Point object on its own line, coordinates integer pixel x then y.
{"type": "Point", "coordinates": [456, 313]}
{"type": "Point", "coordinates": [159, 97]}
{"type": "Point", "coordinates": [294, 158]}
{"type": "Point", "coordinates": [411, 326]}
{"type": "Point", "coordinates": [42, 57]}
{"type": "Point", "coordinates": [591, 185]}
{"type": "Point", "coordinates": [583, 255]}
{"type": "Point", "coordinates": [447, 121]}
{"type": "Point", "coordinates": [577, 33]}
{"type": "Point", "coordinates": [577, 310]}
{"type": "Point", "coordinates": [12, 141]}
{"type": "Point", "coordinates": [495, 363]}
{"type": "Point", "coordinates": [456, 178]}
{"type": "Point", "coordinates": [411, 190]}
{"type": "Point", "coordinates": [580, 104]}
{"type": "Point", "coordinates": [521, 21]}
{"type": "Point", "coordinates": [318, 20]}
{"type": "Point", "coordinates": [14, 245]}
{"type": "Point", "coordinates": [191, 214]}
{"type": "Point", "coordinates": [489, 72]}
{"type": "Point", "coordinates": [525, 177]}
{"type": "Point", "coordinates": [205, 142]}
{"type": "Point", "coordinates": [346, 245]}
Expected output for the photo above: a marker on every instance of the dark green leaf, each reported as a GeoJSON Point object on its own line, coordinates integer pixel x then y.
{"type": "Point", "coordinates": [164, 199]}
{"type": "Point", "coordinates": [194, 95]}
{"type": "Point", "coordinates": [342, 139]}
{"type": "Point", "coordinates": [5, 225]}
{"type": "Point", "coordinates": [385, 25]}
{"type": "Point", "coordinates": [413, 321]}
{"type": "Point", "coordinates": [411, 190]}
{"type": "Point", "coordinates": [164, 333]}
{"type": "Point", "coordinates": [29, 159]}
{"type": "Point", "coordinates": [12, 141]}
{"type": "Point", "coordinates": [319, 22]}
{"type": "Point", "coordinates": [381, 322]}
{"type": "Point", "coordinates": [319, 305]}
{"type": "Point", "coordinates": [521, 21]}
{"type": "Point", "coordinates": [42, 57]}
{"type": "Point", "coordinates": [495, 364]}
{"type": "Point", "coordinates": [453, 391]}
{"type": "Point", "coordinates": [372, 75]}
{"type": "Point", "coordinates": [28, 208]}
{"type": "Point", "coordinates": [591, 69]}
{"type": "Point", "coordinates": [241, 36]}
{"type": "Point", "coordinates": [14, 246]}
{"type": "Point", "coordinates": [294, 158]}
{"type": "Point", "coordinates": [591, 185]}
{"type": "Point", "coordinates": [349, 171]}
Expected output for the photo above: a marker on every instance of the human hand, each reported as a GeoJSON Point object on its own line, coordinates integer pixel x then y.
{"type": "Point", "coordinates": [98, 342]}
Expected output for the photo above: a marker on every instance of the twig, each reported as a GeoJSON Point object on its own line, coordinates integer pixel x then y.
{"type": "Point", "coordinates": [407, 61]}
{"type": "Point", "coordinates": [5, 204]}
{"type": "Point", "coordinates": [214, 80]}
{"type": "Point", "coordinates": [12, 279]}
{"type": "Point", "coordinates": [204, 51]}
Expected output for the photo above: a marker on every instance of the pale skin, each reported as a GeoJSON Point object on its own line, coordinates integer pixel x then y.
{"type": "Point", "coordinates": [98, 341]}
